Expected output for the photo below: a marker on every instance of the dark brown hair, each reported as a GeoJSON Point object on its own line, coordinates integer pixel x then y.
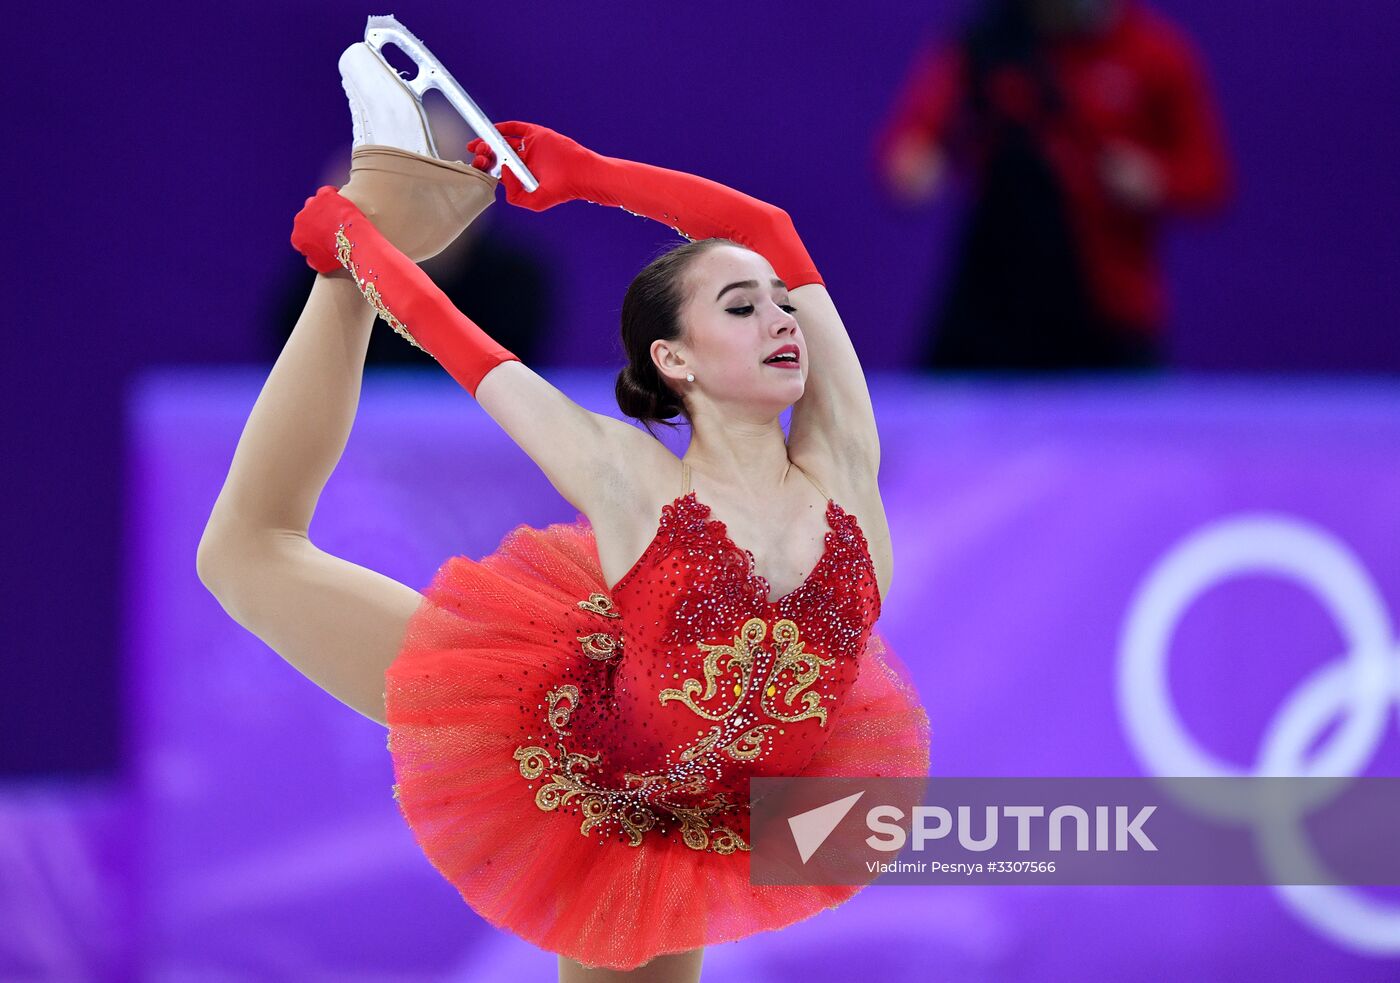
{"type": "Point", "coordinates": [651, 310]}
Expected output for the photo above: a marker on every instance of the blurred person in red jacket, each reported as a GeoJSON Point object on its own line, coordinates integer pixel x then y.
{"type": "Point", "coordinates": [1080, 123]}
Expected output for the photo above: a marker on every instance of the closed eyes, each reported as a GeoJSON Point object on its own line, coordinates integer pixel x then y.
{"type": "Point", "coordinates": [747, 309]}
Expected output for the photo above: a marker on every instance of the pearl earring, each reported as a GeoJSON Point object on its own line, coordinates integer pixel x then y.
{"type": "Point", "coordinates": [690, 377]}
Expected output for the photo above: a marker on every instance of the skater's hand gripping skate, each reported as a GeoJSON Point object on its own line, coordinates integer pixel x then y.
{"type": "Point", "coordinates": [332, 233]}
{"type": "Point", "coordinates": [561, 165]}
{"type": "Point", "coordinates": [312, 229]}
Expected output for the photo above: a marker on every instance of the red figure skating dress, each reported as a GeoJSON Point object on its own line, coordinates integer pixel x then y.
{"type": "Point", "coordinates": [573, 758]}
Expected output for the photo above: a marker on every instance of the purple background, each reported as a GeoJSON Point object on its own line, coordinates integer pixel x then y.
{"type": "Point", "coordinates": [157, 156]}
{"type": "Point", "coordinates": [256, 836]}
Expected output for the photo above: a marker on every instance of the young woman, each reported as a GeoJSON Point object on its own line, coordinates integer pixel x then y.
{"type": "Point", "coordinates": [573, 718]}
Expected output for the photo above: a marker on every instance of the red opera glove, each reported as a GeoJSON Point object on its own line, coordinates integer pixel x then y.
{"type": "Point", "coordinates": [695, 207]}
{"type": "Point", "coordinates": [333, 234]}
{"type": "Point", "coordinates": [555, 160]}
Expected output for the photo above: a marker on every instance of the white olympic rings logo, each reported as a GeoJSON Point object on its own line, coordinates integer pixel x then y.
{"type": "Point", "coordinates": [1360, 687]}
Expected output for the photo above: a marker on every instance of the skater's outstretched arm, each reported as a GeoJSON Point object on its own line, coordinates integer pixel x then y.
{"type": "Point", "coordinates": [586, 456]}
{"type": "Point", "coordinates": [834, 418]}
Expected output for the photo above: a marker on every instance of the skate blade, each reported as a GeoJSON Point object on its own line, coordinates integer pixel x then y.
{"type": "Point", "coordinates": [385, 29]}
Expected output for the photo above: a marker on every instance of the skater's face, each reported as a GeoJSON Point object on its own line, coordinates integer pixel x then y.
{"type": "Point", "coordinates": [736, 314]}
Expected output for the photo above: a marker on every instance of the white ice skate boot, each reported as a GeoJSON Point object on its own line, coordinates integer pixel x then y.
{"type": "Point", "coordinates": [417, 201]}
{"type": "Point", "coordinates": [384, 111]}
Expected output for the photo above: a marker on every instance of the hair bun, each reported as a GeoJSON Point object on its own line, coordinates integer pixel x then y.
{"type": "Point", "coordinates": [645, 402]}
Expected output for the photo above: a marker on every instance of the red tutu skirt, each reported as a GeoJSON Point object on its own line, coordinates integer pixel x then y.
{"type": "Point", "coordinates": [489, 638]}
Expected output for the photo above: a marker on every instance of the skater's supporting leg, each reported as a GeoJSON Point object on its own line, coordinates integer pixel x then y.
{"type": "Point", "coordinates": [676, 967]}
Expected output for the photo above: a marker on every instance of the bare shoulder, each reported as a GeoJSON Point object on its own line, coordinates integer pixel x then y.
{"type": "Point", "coordinates": [610, 470]}
{"type": "Point", "coordinates": [638, 469]}
{"type": "Point", "coordinates": [853, 482]}
{"type": "Point", "coordinates": [641, 476]}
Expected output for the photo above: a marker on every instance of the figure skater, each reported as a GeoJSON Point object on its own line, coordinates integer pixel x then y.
{"type": "Point", "coordinates": [573, 719]}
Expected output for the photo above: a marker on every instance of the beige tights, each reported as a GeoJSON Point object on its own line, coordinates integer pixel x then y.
{"type": "Point", "coordinates": [338, 623]}
{"type": "Point", "coordinates": [418, 203]}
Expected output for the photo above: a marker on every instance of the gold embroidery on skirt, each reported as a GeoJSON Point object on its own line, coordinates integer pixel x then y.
{"type": "Point", "coordinates": [703, 746]}
{"type": "Point", "coordinates": [738, 660]}
{"type": "Point", "coordinates": [600, 645]}
{"type": "Point", "coordinates": [721, 660]}
{"type": "Point", "coordinates": [559, 716]}
{"type": "Point", "coordinates": [637, 808]}
{"type": "Point", "coordinates": [745, 747]}
{"type": "Point", "coordinates": [805, 667]}
{"type": "Point", "coordinates": [600, 604]}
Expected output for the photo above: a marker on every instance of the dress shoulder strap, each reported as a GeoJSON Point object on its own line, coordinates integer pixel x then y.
{"type": "Point", "coordinates": [814, 482]}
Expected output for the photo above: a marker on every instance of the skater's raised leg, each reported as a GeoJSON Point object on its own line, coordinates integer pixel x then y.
{"type": "Point", "coordinates": [338, 623]}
